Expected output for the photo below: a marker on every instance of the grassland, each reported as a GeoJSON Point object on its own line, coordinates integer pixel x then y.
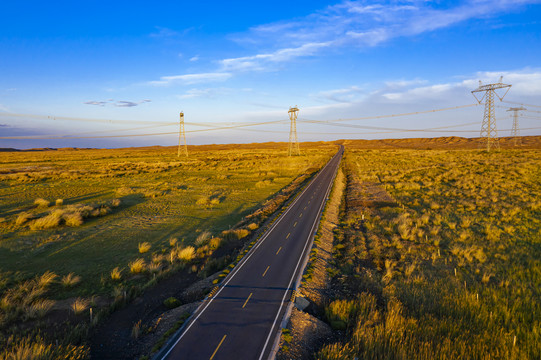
{"type": "Point", "coordinates": [82, 226]}
{"type": "Point", "coordinates": [452, 270]}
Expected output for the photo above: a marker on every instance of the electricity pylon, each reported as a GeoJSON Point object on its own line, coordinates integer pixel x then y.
{"type": "Point", "coordinates": [515, 132]}
{"type": "Point", "coordinates": [182, 136]}
{"type": "Point", "coordinates": [488, 128]}
{"type": "Point", "coordinates": [293, 141]}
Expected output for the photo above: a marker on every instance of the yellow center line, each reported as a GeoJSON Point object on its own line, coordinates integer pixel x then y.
{"type": "Point", "coordinates": [300, 215]}
{"type": "Point", "coordinates": [295, 224]}
{"type": "Point", "coordinates": [308, 201]}
{"type": "Point", "coordinates": [246, 302]}
{"type": "Point", "coordinates": [305, 207]}
{"type": "Point", "coordinates": [265, 271]}
{"type": "Point", "coordinates": [288, 235]}
{"type": "Point", "coordinates": [278, 250]}
{"type": "Point", "coordinates": [220, 344]}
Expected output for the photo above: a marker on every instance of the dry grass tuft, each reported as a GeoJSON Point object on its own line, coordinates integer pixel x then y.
{"type": "Point", "coordinates": [47, 222]}
{"type": "Point", "coordinates": [203, 201]}
{"type": "Point", "coordinates": [137, 266]}
{"type": "Point", "coordinates": [136, 330]}
{"type": "Point", "coordinates": [79, 305]}
{"type": "Point", "coordinates": [70, 280]}
{"type": "Point", "coordinates": [23, 218]}
{"type": "Point", "coordinates": [39, 202]}
{"type": "Point", "coordinates": [203, 238]}
{"type": "Point", "coordinates": [47, 279]}
{"type": "Point", "coordinates": [144, 247]}
{"type": "Point", "coordinates": [187, 254]}
{"type": "Point", "coordinates": [38, 309]}
{"type": "Point", "coordinates": [73, 219]}
{"type": "Point", "coordinates": [116, 274]}
{"type": "Point", "coordinates": [215, 243]}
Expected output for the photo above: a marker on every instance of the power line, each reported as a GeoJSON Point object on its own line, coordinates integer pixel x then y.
{"type": "Point", "coordinates": [380, 127]}
{"type": "Point", "coordinates": [52, 137]}
{"type": "Point", "coordinates": [519, 103]}
{"type": "Point", "coordinates": [403, 114]}
{"type": "Point", "coordinates": [111, 121]}
{"type": "Point", "coordinates": [243, 126]}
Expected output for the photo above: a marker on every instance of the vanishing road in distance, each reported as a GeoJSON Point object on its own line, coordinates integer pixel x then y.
{"type": "Point", "coordinates": [242, 320]}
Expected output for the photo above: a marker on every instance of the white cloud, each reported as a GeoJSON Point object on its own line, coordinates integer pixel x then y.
{"type": "Point", "coordinates": [525, 83]}
{"type": "Point", "coordinates": [3, 108]}
{"type": "Point", "coordinates": [194, 58]}
{"type": "Point", "coordinates": [188, 79]}
{"type": "Point", "coordinates": [119, 103]}
{"type": "Point", "coordinates": [208, 93]}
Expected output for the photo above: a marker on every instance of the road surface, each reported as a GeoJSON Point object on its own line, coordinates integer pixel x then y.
{"type": "Point", "coordinates": [242, 320]}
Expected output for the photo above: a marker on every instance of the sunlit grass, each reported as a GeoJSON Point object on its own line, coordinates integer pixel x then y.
{"type": "Point", "coordinates": [86, 212]}
{"type": "Point", "coordinates": [454, 266]}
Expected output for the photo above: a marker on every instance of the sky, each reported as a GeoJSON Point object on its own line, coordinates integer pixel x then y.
{"type": "Point", "coordinates": [96, 70]}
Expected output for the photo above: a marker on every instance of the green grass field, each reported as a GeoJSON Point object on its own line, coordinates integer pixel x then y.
{"type": "Point", "coordinates": [453, 271]}
{"type": "Point", "coordinates": [77, 215]}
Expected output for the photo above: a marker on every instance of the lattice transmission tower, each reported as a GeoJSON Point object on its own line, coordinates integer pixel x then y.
{"type": "Point", "coordinates": [182, 137]}
{"type": "Point", "coordinates": [515, 132]}
{"type": "Point", "coordinates": [488, 129]}
{"type": "Point", "coordinates": [293, 141]}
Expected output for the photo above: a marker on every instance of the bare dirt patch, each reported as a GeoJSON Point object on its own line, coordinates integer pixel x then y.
{"type": "Point", "coordinates": [307, 334]}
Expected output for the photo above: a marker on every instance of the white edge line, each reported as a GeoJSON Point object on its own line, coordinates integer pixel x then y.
{"type": "Point", "coordinates": [243, 261]}
{"type": "Point", "coordinates": [316, 221]}
{"type": "Point", "coordinates": [287, 313]}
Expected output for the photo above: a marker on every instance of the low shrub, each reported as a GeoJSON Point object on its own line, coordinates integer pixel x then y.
{"type": "Point", "coordinates": [171, 302]}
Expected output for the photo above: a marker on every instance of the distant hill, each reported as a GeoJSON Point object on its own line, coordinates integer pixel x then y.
{"type": "Point", "coordinates": [443, 143]}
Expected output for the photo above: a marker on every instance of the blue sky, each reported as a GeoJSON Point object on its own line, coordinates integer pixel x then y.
{"type": "Point", "coordinates": [136, 65]}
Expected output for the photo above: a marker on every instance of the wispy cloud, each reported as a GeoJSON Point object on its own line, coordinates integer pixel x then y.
{"type": "Point", "coordinates": [3, 108]}
{"type": "Point", "coordinates": [346, 95]}
{"type": "Point", "coordinates": [357, 23]}
{"type": "Point", "coordinates": [260, 61]}
{"type": "Point", "coordinates": [349, 24]}
{"type": "Point", "coordinates": [188, 79]}
{"type": "Point", "coordinates": [120, 103]}
{"type": "Point", "coordinates": [211, 92]}
{"type": "Point", "coordinates": [163, 32]}
{"type": "Point", "coordinates": [194, 58]}
{"type": "Point", "coordinates": [207, 93]}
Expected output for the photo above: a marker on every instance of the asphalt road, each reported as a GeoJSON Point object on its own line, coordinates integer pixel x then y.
{"type": "Point", "coordinates": [243, 318]}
